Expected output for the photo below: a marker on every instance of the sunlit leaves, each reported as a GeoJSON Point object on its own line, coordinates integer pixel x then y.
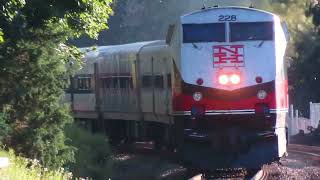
{"type": "Point", "coordinates": [1, 36]}
{"type": "Point", "coordinates": [9, 9]}
{"type": "Point", "coordinates": [93, 19]}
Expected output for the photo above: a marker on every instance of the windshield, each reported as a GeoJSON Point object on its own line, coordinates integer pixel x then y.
{"type": "Point", "coordinates": [251, 31]}
{"type": "Point", "coordinates": [211, 32]}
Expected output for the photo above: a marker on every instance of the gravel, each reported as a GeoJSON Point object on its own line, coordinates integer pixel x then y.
{"type": "Point", "coordinates": [148, 167]}
{"type": "Point", "coordinates": [277, 171]}
{"type": "Point", "coordinates": [130, 166]}
{"type": "Point", "coordinates": [133, 166]}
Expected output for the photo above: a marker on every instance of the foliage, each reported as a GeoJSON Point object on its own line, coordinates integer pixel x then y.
{"type": "Point", "coordinates": [1, 36]}
{"type": "Point", "coordinates": [5, 129]}
{"type": "Point", "coordinates": [303, 54]}
{"type": "Point", "coordinates": [29, 169]}
{"type": "Point", "coordinates": [304, 72]}
{"type": "Point", "coordinates": [303, 21]}
{"type": "Point", "coordinates": [92, 155]}
{"type": "Point", "coordinates": [35, 59]}
{"type": "Point", "coordinates": [140, 20]}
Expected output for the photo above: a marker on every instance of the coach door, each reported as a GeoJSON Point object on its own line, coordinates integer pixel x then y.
{"type": "Point", "coordinates": [147, 88]}
{"type": "Point", "coordinates": [160, 95]}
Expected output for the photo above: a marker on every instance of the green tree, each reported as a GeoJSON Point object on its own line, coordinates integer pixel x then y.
{"type": "Point", "coordinates": [35, 57]}
{"type": "Point", "coordinates": [304, 73]}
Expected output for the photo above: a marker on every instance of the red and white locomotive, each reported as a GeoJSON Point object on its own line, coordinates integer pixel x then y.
{"type": "Point", "coordinates": [231, 85]}
{"type": "Point", "coordinates": [217, 88]}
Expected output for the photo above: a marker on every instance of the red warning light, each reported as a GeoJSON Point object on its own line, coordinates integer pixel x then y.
{"type": "Point", "coordinates": [200, 81]}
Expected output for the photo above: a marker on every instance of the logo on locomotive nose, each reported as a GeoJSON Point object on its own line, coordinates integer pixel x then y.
{"type": "Point", "coordinates": [228, 56]}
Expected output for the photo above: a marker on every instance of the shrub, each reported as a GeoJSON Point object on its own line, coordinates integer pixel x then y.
{"type": "Point", "coordinates": [24, 168]}
{"type": "Point", "coordinates": [93, 154]}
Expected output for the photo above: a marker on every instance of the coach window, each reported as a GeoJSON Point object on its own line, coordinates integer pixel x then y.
{"type": "Point", "coordinates": [109, 82]}
{"type": "Point", "coordinates": [125, 82]}
{"type": "Point", "coordinates": [106, 83]}
{"type": "Point", "coordinates": [158, 82]}
{"type": "Point", "coordinates": [251, 31]}
{"type": "Point", "coordinates": [209, 32]}
{"type": "Point", "coordinates": [147, 81]}
{"type": "Point", "coordinates": [169, 80]}
{"type": "Point", "coordinates": [84, 83]}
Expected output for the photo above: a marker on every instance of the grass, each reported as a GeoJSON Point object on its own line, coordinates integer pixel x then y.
{"type": "Point", "coordinates": [29, 169]}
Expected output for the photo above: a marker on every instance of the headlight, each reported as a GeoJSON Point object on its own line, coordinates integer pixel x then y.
{"type": "Point", "coordinates": [235, 79]}
{"type": "Point", "coordinates": [223, 79]}
{"type": "Point", "coordinates": [197, 96]}
{"type": "Point", "coordinates": [262, 94]}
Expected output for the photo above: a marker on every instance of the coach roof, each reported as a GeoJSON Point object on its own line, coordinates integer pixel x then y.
{"type": "Point", "coordinates": [132, 47]}
{"type": "Point", "coordinates": [91, 52]}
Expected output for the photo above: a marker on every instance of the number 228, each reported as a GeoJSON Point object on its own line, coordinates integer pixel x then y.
{"type": "Point", "coordinates": [227, 18]}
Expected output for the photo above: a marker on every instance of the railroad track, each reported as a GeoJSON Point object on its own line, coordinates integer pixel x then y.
{"type": "Point", "coordinates": [243, 174]}
{"type": "Point", "coordinates": [299, 156]}
{"type": "Point", "coordinates": [147, 148]}
{"type": "Point", "coordinates": [305, 152]}
{"type": "Point", "coordinates": [304, 149]}
{"type": "Point", "coordinates": [261, 175]}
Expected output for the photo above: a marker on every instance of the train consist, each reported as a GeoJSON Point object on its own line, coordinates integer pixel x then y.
{"type": "Point", "coordinates": [216, 90]}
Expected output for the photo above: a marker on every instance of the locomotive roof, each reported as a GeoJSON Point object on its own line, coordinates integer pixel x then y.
{"type": "Point", "coordinates": [229, 7]}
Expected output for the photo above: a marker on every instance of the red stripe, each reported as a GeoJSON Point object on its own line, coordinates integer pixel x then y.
{"type": "Point", "coordinates": [184, 102]}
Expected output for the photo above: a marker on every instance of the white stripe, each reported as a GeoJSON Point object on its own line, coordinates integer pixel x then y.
{"type": "Point", "coordinates": [266, 133]}
{"type": "Point", "coordinates": [182, 113]}
{"type": "Point", "coordinates": [278, 110]}
{"type": "Point", "coordinates": [236, 110]}
{"type": "Point", "coordinates": [197, 135]}
{"type": "Point", "coordinates": [230, 113]}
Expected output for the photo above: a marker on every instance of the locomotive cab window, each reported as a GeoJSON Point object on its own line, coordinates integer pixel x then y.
{"type": "Point", "coordinates": [210, 32]}
{"type": "Point", "coordinates": [251, 31]}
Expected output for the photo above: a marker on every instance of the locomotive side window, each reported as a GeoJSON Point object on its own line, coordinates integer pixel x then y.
{"type": "Point", "coordinates": [210, 32]}
{"type": "Point", "coordinates": [251, 31]}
